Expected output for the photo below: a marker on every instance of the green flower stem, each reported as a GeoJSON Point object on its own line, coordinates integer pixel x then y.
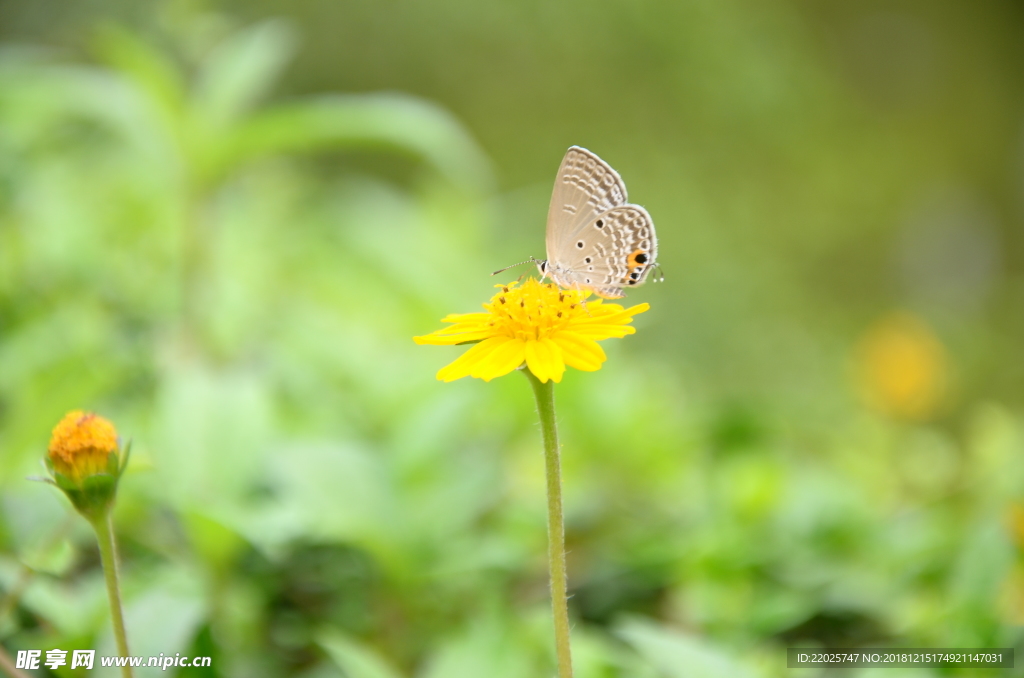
{"type": "Point", "coordinates": [104, 526]}
{"type": "Point", "coordinates": [545, 395]}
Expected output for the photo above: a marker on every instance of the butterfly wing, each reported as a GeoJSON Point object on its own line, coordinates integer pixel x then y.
{"type": "Point", "coordinates": [585, 187]}
{"type": "Point", "coordinates": [616, 249]}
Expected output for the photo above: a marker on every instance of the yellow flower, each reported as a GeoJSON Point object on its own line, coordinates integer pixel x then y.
{"type": "Point", "coordinates": [536, 323]}
{"type": "Point", "coordinates": [902, 367]}
{"type": "Point", "coordinates": [81, 445]}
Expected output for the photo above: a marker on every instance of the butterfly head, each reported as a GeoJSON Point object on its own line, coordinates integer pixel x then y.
{"type": "Point", "coordinates": [560, 275]}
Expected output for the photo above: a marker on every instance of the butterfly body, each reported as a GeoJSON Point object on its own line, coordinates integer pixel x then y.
{"type": "Point", "coordinates": [596, 240]}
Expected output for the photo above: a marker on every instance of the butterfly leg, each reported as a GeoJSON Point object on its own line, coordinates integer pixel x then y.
{"type": "Point", "coordinates": [583, 297]}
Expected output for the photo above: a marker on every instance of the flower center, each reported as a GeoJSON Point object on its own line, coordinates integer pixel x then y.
{"type": "Point", "coordinates": [533, 311]}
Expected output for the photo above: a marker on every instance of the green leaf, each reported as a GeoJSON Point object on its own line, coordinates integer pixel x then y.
{"type": "Point", "coordinates": [679, 655]}
{"type": "Point", "coordinates": [395, 122]}
{"type": "Point", "coordinates": [239, 71]}
{"type": "Point", "coordinates": [51, 556]}
{"type": "Point", "coordinates": [126, 454]}
{"type": "Point", "coordinates": [492, 645]}
{"type": "Point", "coordinates": [149, 68]}
{"type": "Point", "coordinates": [217, 544]}
{"type": "Point", "coordinates": [64, 483]}
{"type": "Point", "coordinates": [355, 659]}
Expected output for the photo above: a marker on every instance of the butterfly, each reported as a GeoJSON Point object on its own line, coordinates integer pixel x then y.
{"type": "Point", "coordinates": [596, 240]}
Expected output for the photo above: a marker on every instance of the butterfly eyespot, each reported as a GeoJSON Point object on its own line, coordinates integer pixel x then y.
{"type": "Point", "coordinates": [587, 260]}
{"type": "Point", "coordinates": [600, 223]}
{"type": "Point", "coordinates": [588, 281]}
{"type": "Point", "coordinates": [632, 282]}
{"type": "Point", "coordinates": [637, 259]}
{"type": "Point", "coordinates": [634, 275]}
{"type": "Point", "coordinates": [579, 244]}
{"type": "Point", "coordinates": [590, 268]}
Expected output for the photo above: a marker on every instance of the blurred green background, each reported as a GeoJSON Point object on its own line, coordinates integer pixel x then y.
{"type": "Point", "coordinates": [221, 223]}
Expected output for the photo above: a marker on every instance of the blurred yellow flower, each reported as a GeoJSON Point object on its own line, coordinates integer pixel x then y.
{"type": "Point", "coordinates": [902, 367]}
{"type": "Point", "coordinates": [535, 323]}
{"type": "Point", "coordinates": [81, 445]}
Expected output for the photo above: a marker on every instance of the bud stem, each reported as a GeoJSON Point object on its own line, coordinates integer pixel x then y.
{"type": "Point", "coordinates": [104, 526]}
{"type": "Point", "coordinates": [544, 392]}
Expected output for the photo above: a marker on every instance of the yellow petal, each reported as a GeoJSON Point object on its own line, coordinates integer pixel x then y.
{"type": "Point", "coordinates": [618, 316]}
{"type": "Point", "coordinates": [544, 358]}
{"type": "Point", "coordinates": [479, 318]}
{"type": "Point", "coordinates": [598, 332]}
{"type": "Point", "coordinates": [580, 352]}
{"type": "Point", "coordinates": [466, 363]}
{"type": "Point", "coordinates": [448, 337]}
{"type": "Point", "coordinates": [505, 355]}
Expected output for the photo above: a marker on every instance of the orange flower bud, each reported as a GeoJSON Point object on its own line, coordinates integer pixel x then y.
{"type": "Point", "coordinates": [81, 445]}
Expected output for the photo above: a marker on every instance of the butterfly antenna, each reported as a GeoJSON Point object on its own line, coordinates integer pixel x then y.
{"type": "Point", "coordinates": [531, 260]}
